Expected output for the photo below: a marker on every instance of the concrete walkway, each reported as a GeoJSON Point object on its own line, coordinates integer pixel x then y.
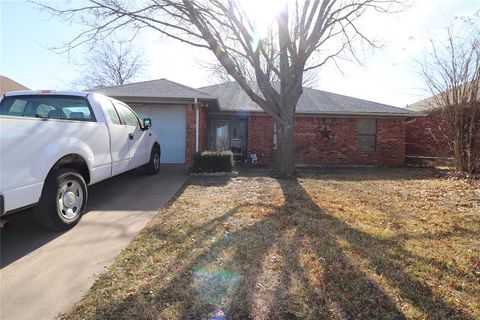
{"type": "Point", "coordinates": [44, 273]}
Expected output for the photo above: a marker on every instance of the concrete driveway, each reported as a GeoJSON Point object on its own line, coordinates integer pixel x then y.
{"type": "Point", "coordinates": [44, 273]}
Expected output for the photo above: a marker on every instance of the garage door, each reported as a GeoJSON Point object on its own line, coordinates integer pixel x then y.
{"type": "Point", "coordinates": [169, 124]}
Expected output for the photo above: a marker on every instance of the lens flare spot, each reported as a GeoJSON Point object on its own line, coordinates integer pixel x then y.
{"type": "Point", "coordinates": [216, 287]}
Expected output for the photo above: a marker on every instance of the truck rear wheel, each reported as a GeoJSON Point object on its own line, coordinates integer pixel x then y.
{"type": "Point", "coordinates": [153, 167]}
{"type": "Point", "coordinates": [63, 201]}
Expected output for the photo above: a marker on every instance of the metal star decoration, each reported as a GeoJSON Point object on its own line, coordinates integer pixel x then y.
{"type": "Point", "coordinates": [325, 132]}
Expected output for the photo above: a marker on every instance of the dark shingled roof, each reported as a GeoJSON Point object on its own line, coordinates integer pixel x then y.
{"type": "Point", "coordinates": [232, 98]}
{"type": "Point", "coordinates": [161, 88]}
{"type": "Point", "coordinates": [429, 104]}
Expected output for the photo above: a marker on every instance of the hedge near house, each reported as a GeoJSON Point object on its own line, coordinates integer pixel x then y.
{"type": "Point", "coordinates": [213, 161]}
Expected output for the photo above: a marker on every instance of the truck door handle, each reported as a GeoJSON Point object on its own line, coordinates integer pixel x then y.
{"type": "Point", "coordinates": [130, 136]}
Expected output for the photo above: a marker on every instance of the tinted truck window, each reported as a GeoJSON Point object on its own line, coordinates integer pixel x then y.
{"type": "Point", "coordinates": [129, 118]}
{"type": "Point", "coordinates": [111, 112]}
{"type": "Point", "coordinates": [47, 107]}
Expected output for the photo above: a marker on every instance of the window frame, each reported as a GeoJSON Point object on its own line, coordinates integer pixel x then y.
{"type": "Point", "coordinates": [374, 135]}
{"type": "Point", "coordinates": [26, 96]}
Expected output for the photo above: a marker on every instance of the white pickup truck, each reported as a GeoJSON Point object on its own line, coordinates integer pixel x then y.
{"type": "Point", "coordinates": [54, 144]}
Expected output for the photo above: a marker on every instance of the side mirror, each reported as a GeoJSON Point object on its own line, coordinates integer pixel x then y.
{"type": "Point", "coordinates": [147, 122]}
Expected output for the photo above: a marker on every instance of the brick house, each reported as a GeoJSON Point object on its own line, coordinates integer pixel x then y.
{"type": "Point", "coordinates": [330, 129]}
{"type": "Point", "coordinates": [427, 136]}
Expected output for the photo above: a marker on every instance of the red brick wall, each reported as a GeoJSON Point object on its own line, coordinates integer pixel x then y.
{"type": "Point", "coordinates": [191, 132]}
{"type": "Point", "coordinates": [260, 138]}
{"type": "Point", "coordinates": [311, 147]}
{"type": "Point", "coordinates": [391, 142]}
{"type": "Point", "coordinates": [426, 137]}
{"type": "Point", "coordinates": [314, 148]}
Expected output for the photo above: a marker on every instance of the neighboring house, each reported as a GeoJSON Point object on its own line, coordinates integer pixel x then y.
{"type": "Point", "coordinates": [330, 129]}
{"type": "Point", "coordinates": [427, 136]}
{"type": "Point", "coordinates": [7, 85]}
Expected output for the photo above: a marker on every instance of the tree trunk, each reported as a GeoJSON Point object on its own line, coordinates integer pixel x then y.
{"type": "Point", "coordinates": [284, 165]}
{"type": "Point", "coordinates": [458, 151]}
{"type": "Point", "coordinates": [471, 147]}
{"type": "Point", "coordinates": [284, 161]}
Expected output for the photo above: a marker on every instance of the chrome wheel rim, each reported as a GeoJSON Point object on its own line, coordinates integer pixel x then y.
{"type": "Point", "coordinates": [156, 161]}
{"type": "Point", "coordinates": [70, 199]}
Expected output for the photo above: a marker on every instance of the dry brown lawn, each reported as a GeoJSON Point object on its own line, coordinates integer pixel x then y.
{"type": "Point", "coordinates": [332, 244]}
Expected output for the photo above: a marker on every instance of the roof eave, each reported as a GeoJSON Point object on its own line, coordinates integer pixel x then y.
{"type": "Point", "coordinates": [336, 114]}
{"type": "Point", "coordinates": [156, 100]}
{"type": "Point", "coordinates": [363, 114]}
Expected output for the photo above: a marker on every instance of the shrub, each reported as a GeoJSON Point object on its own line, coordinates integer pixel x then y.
{"type": "Point", "coordinates": [213, 161]}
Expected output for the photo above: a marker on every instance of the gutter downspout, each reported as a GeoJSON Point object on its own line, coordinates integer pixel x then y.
{"type": "Point", "coordinates": [197, 123]}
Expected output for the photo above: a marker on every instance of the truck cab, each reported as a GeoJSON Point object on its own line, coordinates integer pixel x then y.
{"type": "Point", "coordinates": [54, 144]}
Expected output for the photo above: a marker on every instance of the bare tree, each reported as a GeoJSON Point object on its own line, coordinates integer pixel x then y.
{"type": "Point", "coordinates": [304, 35]}
{"type": "Point", "coordinates": [110, 62]}
{"type": "Point", "coordinates": [452, 75]}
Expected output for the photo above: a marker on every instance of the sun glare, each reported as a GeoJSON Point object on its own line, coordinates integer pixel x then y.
{"type": "Point", "coordinates": [262, 13]}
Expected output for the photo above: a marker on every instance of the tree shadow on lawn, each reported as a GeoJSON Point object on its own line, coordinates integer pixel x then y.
{"type": "Point", "coordinates": [368, 173]}
{"type": "Point", "coordinates": [298, 262]}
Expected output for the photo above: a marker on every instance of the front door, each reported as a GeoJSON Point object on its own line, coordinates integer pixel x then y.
{"type": "Point", "coordinates": [221, 135]}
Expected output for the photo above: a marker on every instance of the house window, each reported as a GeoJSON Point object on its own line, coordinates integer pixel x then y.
{"type": "Point", "coordinates": [366, 135]}
{"type": "Point", "coordinates": [275, 136]}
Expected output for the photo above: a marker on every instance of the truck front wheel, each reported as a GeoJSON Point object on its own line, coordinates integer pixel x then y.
{"type": "Point", "coordinates": [153, 167]}
{"type": "Point", "coordinates": [63, 201]}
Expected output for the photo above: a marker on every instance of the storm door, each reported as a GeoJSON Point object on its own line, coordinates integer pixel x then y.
{"type": "Point", "coordinates": [221, 135]}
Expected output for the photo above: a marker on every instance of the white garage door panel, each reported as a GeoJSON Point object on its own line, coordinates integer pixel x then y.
{"type": "Point", "coordinates": [169, 124]}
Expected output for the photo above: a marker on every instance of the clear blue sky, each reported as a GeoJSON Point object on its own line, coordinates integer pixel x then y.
{"type": "Point", "coordinates": [388, 75]}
